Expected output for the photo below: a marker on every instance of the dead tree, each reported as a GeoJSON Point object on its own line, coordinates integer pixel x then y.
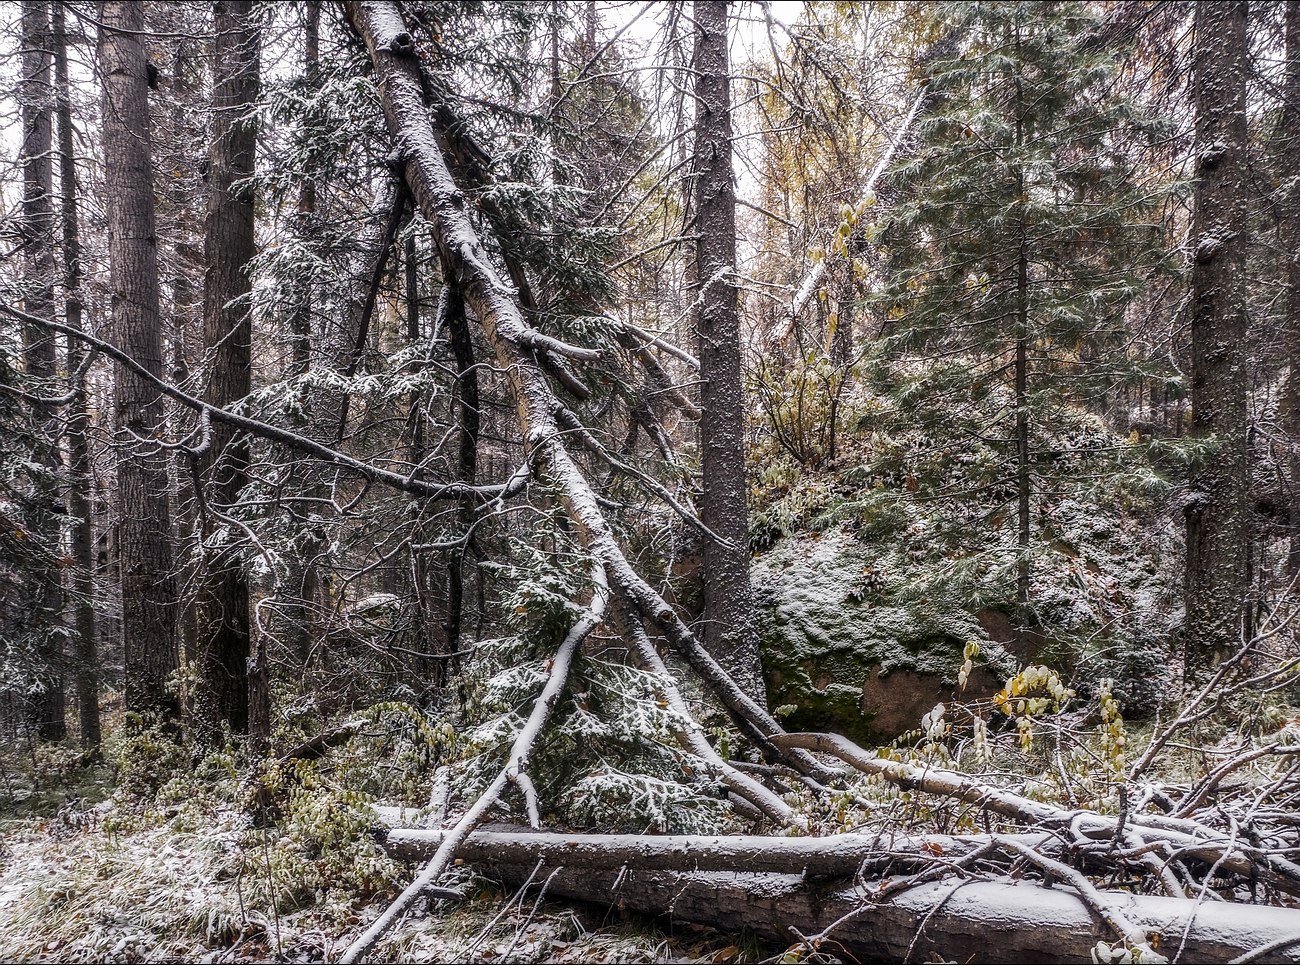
{"type": "Point", "coordinates": [878, 898]}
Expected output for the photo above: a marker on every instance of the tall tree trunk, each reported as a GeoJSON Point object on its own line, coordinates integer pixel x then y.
{"type": "Point", "coordinates": [462, 347]}
{"type": "Point", "coordinates": [304, 572]}
{"type": "Point", "coordinates": [728, 599]}
{"type": "Point", "coordinates": [186, 266]}
{"type": "Point", "coordinates": [1289, 151]}
{"type": "Point", "coordinates": [80, 483]}
{"type": "Point", "coordinates": [228, 677]}
{"type": "Point", "coordinates": [1216, 511]}
{"type": "Point", "coordinates": [48, 708]}
{"type": "Point", "coordinates": [1023, 481]}
{"type": "Point", "coordinates": [148, 582]}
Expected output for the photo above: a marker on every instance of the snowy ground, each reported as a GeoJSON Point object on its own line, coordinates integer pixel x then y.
{"type": "Point", "coordinates": [103, 885]}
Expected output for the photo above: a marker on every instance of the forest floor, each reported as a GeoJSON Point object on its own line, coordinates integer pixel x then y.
{"type": "Point", "coordinates": [87, 875]}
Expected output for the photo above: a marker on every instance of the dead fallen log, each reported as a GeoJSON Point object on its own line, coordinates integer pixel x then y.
{"type": "Point", "coordinates": [839, 855]}
{"type": "Point", "coordinates": [956, 918]}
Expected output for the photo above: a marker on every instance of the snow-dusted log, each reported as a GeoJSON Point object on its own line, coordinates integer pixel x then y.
{"type": "Point", "coordinates": [838, 855]}
{"type": "Point", "coordinates": [956, 918]}
{"type": "Point", "coordinates": [1181, 837]}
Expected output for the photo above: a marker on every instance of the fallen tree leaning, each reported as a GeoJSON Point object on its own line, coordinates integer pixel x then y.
{"type": "Point", "coordinates": [979, 910]}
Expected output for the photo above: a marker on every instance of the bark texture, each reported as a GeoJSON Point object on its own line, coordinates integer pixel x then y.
{"type": "Point", "coordinates": [1216, 511]}
{"type": "Point", "coordinates": [38, 345]}
{"type": "Point", "coordinates": [728, 597]}
{"type": "Point", "coordinates": [954, 919]}
{"type": "Point", "coordinates": [232, 685]}
{"type": "Point", "coordinates": [304, 573]}
{"type": "Point", "coordinates": [80, 482]}
{"type": "Point", "coordinates": [1289, 212]}
{"type": "Point", "coordinates": [148, 582]}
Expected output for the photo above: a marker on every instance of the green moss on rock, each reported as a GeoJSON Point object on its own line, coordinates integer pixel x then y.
{"type": "Point", "coordinates": [845, 662]}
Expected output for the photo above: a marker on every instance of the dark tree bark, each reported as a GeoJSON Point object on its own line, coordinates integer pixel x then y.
{"type": "Point", "coordinates": [300, 322]}
{"type": "Point", "coordinates": [1289, 205]}
{"type": "Point", "coordinates": [462, 347]}
{"type": "Point", "coordinates": [48, 705]}
{"type": "Point", "coordinates": [304, 573]}
{"type": "Point", "coordinates": [728, 598]}
{"type": "Point", "coordinates": [1023, 481]}
{"type": "Point", "coordinates": [145, 549]}
{"type": "Point", "coordinates": [232, 677]}
{"type": "Point", "coordinates": [1216, 511]}
{"type": "Point", "coordinates": [81, 484]}
{"type": "Point", "coordinates": [180, 173]}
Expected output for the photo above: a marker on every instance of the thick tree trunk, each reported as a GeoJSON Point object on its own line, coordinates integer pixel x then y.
{"type": "Point", "coordinates": [1216, 511]}
{"type": "Point", "coordinates": [80, 483]}
{"type": "Point", "coordinates": [1289, 210]}
{"type": "Point", "coordinates": [48, 709]}
{"type": "Point", "coordinates": [785, 888]}
{"type": "Point", "coordinates": [148, 582]}
{"type": "Point", "coordinates": [231, 674]}
{"type": "Point", "coordinates": [729, 633]}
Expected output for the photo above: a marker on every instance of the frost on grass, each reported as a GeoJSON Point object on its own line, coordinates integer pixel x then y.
{"type": "Point", "coordinates": [84, 888]}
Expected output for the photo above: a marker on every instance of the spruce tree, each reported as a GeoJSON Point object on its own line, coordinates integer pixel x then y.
{"type": "Point", "coordinates": [1024, 230]}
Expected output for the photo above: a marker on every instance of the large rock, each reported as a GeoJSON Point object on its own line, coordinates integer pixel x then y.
{"type": "Point", "coordinates": [836, 660]}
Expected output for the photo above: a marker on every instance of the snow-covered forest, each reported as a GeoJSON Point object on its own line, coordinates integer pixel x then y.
{"type": "Point", "coordinates": [685, 480]}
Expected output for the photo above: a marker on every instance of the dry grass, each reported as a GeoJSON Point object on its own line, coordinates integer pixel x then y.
{"type": "Point", "coordinates": [110, 885]}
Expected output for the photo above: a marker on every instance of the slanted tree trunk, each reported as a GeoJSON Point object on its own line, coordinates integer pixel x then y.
{"type": "Point", "coordinates": [38, 345]}
{"type": "Point", "coordinates": [80, 482]}
{"type": "Point", "coordinates": [145, 549]}
{"type": "Point", "coordinates": [230, 673]}
{"type": "Point", "coordinates": [729, 633]}
{"type": "Point", "coordinates": [419, 141]}
{"type": "Point", "coordinates": [1216, 511]}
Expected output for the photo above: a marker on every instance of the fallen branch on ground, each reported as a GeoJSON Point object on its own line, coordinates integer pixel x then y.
{"type": "Point", "coordinates": [772, 885]}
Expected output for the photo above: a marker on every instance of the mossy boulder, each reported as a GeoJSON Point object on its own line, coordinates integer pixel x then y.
{"type": "Point", "coordinates": [846, 662]}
